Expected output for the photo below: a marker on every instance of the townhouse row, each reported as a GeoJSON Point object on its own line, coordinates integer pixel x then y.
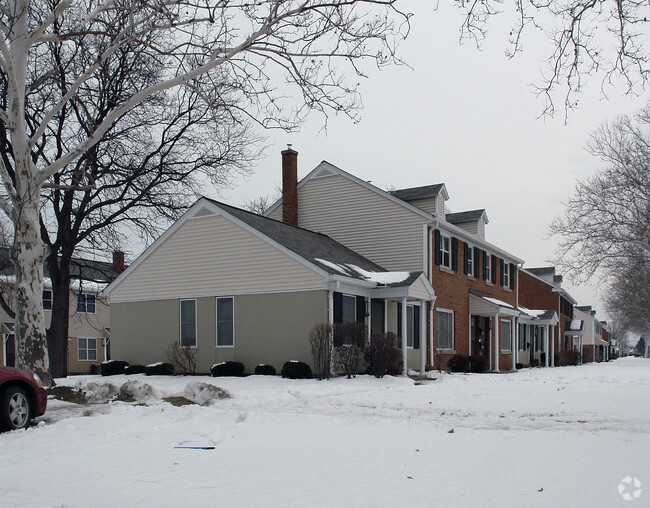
{"type": "Point", "coordinates": [246, 287]}
{"type": "Point", "coordinates": [334, 248]}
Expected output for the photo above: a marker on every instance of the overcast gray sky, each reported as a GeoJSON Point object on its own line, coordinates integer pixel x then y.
{"type": "Point", "coordinates": [467, 118]}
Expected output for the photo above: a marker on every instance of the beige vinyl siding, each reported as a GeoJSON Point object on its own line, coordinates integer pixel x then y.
{"type": "Point", "coordinates": [470, 227]}
{"type": "Point", "coordinates": [363, 220]}
{"type": "Point", "coordinates": [426, 204]}
{"type": "Point", "coordinates": [209, 256]}
{"type": "Point", "coordinates": [268, 328]}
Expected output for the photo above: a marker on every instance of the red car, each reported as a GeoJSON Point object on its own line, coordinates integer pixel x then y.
{"type": "Point", "coordinates": [22, 397]}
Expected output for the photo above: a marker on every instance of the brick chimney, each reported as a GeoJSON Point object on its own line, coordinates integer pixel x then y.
{"type": "Point", "coordinates": [118, 261]}
{"type": "Point", "coordinates": [290, 186]}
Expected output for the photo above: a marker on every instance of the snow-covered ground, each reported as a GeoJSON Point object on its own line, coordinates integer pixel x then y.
{"type": "Point", "coordinates": [541, 437]}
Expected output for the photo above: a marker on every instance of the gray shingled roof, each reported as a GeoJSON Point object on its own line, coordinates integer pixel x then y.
{"type": "Point", "coordinates": [469, 216]}
{"type": "Point", "coordinates": [413, 193]}
{"type": "Point", "coordinates": [101, 272]}
{"type": "Point", "coordinates": [310, 245]}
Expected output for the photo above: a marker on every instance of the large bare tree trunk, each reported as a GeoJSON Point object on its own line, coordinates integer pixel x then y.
{"type": "Point", "coordinates": [28, 256]}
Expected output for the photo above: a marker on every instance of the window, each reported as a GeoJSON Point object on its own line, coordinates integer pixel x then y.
{"type": "Point", "coordinates": [47, 299]}
{"type": "Point", "coordinates": [470, 261]}
{"type": "Point", "coordinates": [540, 333]}
{"type": "Point", "coordinates": [86, 303]}
{"type": "Point", "coordinates": [188, 323]}
{"type": "Point", "coordinates": [225, 322]}
{"type": "Point", "coordinates": [410, 323]}
{"type": "Point", "coordinates": [349, 314]}
{"type": "Point", "coordinates": [445, 329]}
{"type": "Point", "coordinates": [506, 274]}
{"type": "Point", "coordinates": [87, 349]}
{"type": "Point", "coordinates": [487, 268]}
{"type": "Point", "coordinates": [522, 337]}
{"type": "Point", "coordinates": [445, 251]}
{"type": "Point", "coordinates": [506, 335]}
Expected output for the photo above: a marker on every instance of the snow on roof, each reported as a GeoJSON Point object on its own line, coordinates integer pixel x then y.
{"type": "Point", "coordinates": [497, 302]}
{"type": "Point", "coordinates": [75, 284]}
{"type": "Point", "coordinates": [377, 277]}
{"type": "Point", "coordinates": [576, 324]}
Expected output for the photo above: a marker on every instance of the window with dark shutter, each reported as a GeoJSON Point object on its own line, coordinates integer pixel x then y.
{"type": "Point", "coordinates": [486, 266]}
{"type": "Point", "coordinates": [454, 254]}
{"type": "Point", "coordinates": [513, 269]}
{"type": "Point", "coordinates": [502, 272]}
{"type": "Point", "coordinates": [477, 262]}
{"type": "Point", "coordinates": [493, 260]}
{"type": "Point", "coordinates": [466, 260]}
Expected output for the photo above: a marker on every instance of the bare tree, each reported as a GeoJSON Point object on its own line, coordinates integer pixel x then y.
{"type": "Point", "coordinates": [605, 228]}
{"type": "Point", "coordinates": [245, 48]}
{"type": "Point", "coordinates": [586, 38]}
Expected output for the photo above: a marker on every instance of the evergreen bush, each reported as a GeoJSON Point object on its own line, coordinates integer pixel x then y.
{"type": "Point", "coordinates": [159, 369]}
{"type": "Point", "coordinates": [113, 367]}
{"type": "Point", "coordinates": [458, 363]}
{"type": "Point", "coordinates": [265, 370]}
{"type": "Point", "coordinates": [231, 369]}
{"type": "Point", "coordinates": [135, 369]}
{"type": "Point", "coordinates": [294, 369]}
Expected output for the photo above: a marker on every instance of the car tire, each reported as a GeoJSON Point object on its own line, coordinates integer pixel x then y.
{"type": "Point", "coordinates": [15, 408]}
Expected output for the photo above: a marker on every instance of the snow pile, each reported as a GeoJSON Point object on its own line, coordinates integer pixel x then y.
{"type": "Point", "coordinates": [541, 437]}
{"type": "Point", "coordinates": [137, 390]}
{"type": "Point", "coordinates": [98, 393]}
{"type": "Point", "coordinates": [204, 393]}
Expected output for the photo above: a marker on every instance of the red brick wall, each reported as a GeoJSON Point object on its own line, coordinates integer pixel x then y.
{"type": "Point", "coordinates": [535, 294]}
{"type": "Point", "coordinates": [452, 292]}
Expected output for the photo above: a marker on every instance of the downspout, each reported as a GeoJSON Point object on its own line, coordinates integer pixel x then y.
{"type": "Point", "coordinates": [330, 318]}
{"type": "Point", "coordinates": [404, 332]}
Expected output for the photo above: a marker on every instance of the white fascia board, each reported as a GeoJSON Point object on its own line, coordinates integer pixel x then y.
{"type": "Point", "coordinates": [325, 166]}
{"type": "Point", "coordinates": [476, 241]}
{"type": "Point", "coordinates": [201, 202]}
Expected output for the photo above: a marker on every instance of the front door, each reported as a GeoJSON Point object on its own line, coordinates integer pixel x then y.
{"type": "Point", "coordinates": [481, 336]}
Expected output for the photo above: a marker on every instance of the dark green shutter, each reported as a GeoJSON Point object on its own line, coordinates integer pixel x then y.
{"type": "Point", "coordinates": [361, 309]}
{"type": "Point", "coordinates": [477, 262]}
{"type": "Point", "coordinates": [438, 254]}
{"type": "Point", "coordinates": [512, 276]}
{"type": "Point", "coordinates": [454, 254]}
{"type": "Point", "coordinates": [338, 307]}
{"type": "Point", "coordinates": [399, 325]}
{"type": "Point", "coordinates": [485, 265]}
{"type": "Point", "coordinates": [466, 251]}
{"type": "Point", "coordinates": [502, 271]}
{"type": "Point", "coordinates": [494, 270]}
{"type": "Point", "coordinates": [416, 327]}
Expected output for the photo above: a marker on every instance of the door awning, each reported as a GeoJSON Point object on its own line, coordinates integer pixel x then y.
{"type": "Point", "coordinates": [482, 304]}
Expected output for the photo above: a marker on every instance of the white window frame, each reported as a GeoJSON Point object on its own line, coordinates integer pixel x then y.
{"type": "Point", "coordinates": [49, 300]}
{"type": "Point", "coordinates": [445, 311]}
{"type": "Point", "coordinates": [506, 274]}
{"type": "Point", "coordinates": [216, 303]}
{"type": "Point", "coordinates": [180, 321]}
{"type": "Point", "coordinates": [445, 251]}
{"type": "Point", "coordinates": [86, 349]}
{"type": "Point", "coordinates": [85, 303]}
{"type": "Point", "coordinates": [5, 338]}
{"type": "Point", "coordinates": [347, 297]}
{"type": "Point", "coordinates": [505, 324]}
{"type": "Point", "coordinates": [470, 260]}
{"type": "Point", "coordinates": [488, 265]}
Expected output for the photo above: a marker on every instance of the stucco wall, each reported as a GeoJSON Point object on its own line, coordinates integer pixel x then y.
{"type": "Point", "coordinates": [269, 328]}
